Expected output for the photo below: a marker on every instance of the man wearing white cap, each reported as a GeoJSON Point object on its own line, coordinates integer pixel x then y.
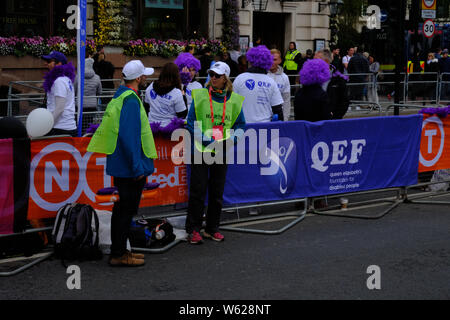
{"type": "Point", "coordinates": [125, 136]}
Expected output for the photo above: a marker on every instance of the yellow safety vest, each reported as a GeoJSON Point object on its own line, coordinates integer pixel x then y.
{"type": "Point", "coordinates": [203, 113]}
{"type": "Point", "coordinates": [105, 138]}
{"type": "Point", "coordinates": [289, 63]}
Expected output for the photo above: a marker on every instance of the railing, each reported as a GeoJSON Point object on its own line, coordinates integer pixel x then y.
{"type": "Point", "coordinates": [377, 89]}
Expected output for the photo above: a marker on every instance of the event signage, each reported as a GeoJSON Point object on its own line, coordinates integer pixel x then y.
{"type": "Point", "coordinates": [63, 171]}
{"type": "Point", "coordinates": [428, 28]}
{"type": "Point", "coordinates": [327, 157]}
{"type": "Point", "coordinates": [272, 161]}
{"type": "Point", "coordinates": [435, 144]}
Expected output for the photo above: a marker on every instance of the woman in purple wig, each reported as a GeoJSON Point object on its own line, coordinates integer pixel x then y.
{"type": "Point", "coordinates": [188, 66]}
{"type": "Point", "coordinates": [58, 86]}
{"type": "Point", "coordinates": [262, 97]}
{"type": "Point", "coordinates": [311, 101]}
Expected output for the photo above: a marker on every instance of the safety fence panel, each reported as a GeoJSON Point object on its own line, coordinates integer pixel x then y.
{"type": "Point", "coordinates": [272, 162]}
{"type": "Point", "coordinates": [422, 87]}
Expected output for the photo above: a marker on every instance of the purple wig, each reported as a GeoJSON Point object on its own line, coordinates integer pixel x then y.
{"type": "Point", "coordinates": [67, 70]}
{"type": "Point", "coordinates": [314, 71]}
{"type": "Point", "coordinates": [186, 59]}
{"type": "Point", "coordinates": [260, 57]}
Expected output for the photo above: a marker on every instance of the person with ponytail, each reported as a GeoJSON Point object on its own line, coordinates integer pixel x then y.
{"type": "Point", "coordinates": [189, 66]}
{"type": "Point", "coordinates": [214, 116]}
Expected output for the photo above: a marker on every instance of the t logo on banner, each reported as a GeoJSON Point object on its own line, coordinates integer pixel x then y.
{"type": "Point", "coordinates": [432, 134]}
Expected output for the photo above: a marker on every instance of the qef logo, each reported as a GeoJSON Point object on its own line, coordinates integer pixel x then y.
{"type": "Point", "coordinates": [282, 170]}
{"type": "Point", "coordinates": [250, 84]}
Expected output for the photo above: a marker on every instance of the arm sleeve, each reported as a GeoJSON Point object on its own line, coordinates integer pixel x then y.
{"type": "Point", "coordinates": [60, 104]}
{"type": "Point", "coordinates": [278, 110]}
{"type": "Point", "coordinates": [130, 135]}
{"type": "Point", "coordinates": [276, 98]}
{"type": "Point", "coordinates": [239, 124]}
{"type": "Point", "coordinates": [179, 104]}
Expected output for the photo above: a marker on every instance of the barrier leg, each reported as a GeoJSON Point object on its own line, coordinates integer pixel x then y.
{"type": "Point", "coordinates": [299, 217]}
{"type": "Point", "coordinates": [408, 198]}
{"type": "Point", "coordinates": [158, 250]}
{"type": "Point", "coordinates": [395, 202]}
{"type": "Point", "coordinates": [27, 266]}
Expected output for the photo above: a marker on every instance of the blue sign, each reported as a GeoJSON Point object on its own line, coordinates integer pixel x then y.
{"type": "Point", "coordinates": [297, 159]}
{"type": "Point", "coordinates": [167, 4]}
{"type": "Point", "coordinates": [383, 16]}
{"type": "Point", "coordinates": [81, 50]}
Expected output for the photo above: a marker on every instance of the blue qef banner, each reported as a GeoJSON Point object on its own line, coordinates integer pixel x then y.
{"type": "Point", "coordinates": [323, 158]}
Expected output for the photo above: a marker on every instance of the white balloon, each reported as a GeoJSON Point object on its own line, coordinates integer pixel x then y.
{"type": "Point", "coordinates": [39, 122]}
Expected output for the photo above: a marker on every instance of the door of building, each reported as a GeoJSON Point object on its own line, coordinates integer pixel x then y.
{"type": "Point", "coordinates": [270, 28]}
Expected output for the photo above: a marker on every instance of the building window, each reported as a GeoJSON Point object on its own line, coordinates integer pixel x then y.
{"type": "Point", "coordinates": [174, 19]}
{"type": "Point", "coordinates": [23, 18]}
{"type": "Point", "coordinates": [29, 18]}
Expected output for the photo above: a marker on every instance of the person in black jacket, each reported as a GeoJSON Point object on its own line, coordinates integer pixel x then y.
{"type": "Point", "coordinates": [205, 62]}
{"type": "Point", "coordinates": [359, 66]}
{"type": "Point", "coordinates": [311, 102]}
{"type": "Point", "coordinates": [431, 69]}
{"type": "Point", "coordinates": [336, 89]}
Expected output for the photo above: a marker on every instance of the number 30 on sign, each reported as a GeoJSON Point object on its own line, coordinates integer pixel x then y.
{"type": "Point", "coordinates": [428, 28]}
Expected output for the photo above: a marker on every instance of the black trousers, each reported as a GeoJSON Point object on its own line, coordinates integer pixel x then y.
{"type": "Point", "coordinates": [130, 192]}
{"type": "Point", "coordinates": [205, 177]}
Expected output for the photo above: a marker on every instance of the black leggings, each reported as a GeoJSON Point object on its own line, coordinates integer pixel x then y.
{"type": "Point", "coordinates": [205, 177]}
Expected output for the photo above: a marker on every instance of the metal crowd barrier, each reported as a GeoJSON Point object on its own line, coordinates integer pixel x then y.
{"type": "Point", "coordinates": [32, 263]}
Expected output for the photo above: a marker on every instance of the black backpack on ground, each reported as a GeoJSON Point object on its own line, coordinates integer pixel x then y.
{"type": "Point", "coordinates": [75, 233]}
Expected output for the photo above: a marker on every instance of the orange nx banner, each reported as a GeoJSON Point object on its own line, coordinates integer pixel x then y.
{"type": "Point", "coordinates": [63, 171]}
{"type": "Point", "coordinates": [435, 143]}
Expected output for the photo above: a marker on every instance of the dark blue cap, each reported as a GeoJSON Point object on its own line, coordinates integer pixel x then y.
{"type": "Point", "coordinates": [56, 55]}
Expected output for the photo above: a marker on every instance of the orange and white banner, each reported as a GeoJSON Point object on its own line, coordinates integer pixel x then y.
{"type": "Point", "coordinates": [435, 144]}
{"type": "Point", "coordinates": [63, 171]}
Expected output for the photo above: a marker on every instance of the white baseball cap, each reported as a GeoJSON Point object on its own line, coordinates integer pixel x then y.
{"type": "Point", "coordinates": [220, 68]}
{"type": "Point", "coordinates": [134, 69]}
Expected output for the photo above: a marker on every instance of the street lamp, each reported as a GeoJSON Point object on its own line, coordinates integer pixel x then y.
{"type": "Point", "coordinates": [334, 5]}
{"type": "Point", "coordinates": [258, 5]}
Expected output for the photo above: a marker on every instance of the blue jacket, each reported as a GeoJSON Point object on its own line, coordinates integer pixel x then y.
{"type": "Point", "coordinates": [129, 160]}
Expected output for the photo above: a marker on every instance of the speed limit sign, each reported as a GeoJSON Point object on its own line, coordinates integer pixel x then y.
{"type": "Point", "coordinates": [428, 28]}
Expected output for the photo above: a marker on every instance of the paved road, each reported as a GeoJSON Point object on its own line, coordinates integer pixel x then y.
{"type": "Point", "coordinates": [320, 258]}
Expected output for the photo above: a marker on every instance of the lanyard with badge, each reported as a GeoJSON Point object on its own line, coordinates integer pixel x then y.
{"type": "Point", "coordinates": [217, 130]}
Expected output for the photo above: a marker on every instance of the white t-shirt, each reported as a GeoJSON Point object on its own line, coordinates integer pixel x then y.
{"type": "Point", "coordinates": [191, 86]}
{"type": "Point", "coordinates": [282, 82]}
{"type": "Point", "coordinates": [63, 87]}
{"type": "Point", "coordinates": [346, 59]}
{"type": "Point", "coordinates": [164, 108]}
{"type": "Point", "coordinates": [284, 86]}
{"type": "Point", "coordinates": [261, 94]}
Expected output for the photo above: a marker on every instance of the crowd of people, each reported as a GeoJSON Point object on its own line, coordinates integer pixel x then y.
{"type": "Point", "coordinates": [260, 93]}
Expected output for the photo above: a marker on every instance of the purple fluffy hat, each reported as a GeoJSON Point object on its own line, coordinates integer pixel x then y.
{"type": "Point", "coordinates": [186, 59]}
{"type": "Point", "coordinates": [260, 57]}
{"type": "Point", "coordinates": [314, 71]}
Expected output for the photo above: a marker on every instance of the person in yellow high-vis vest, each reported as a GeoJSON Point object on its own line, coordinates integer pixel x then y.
{"type": "Point", "coordinates": [126, 137]}
{"type": "Point", "coordinates": [292, 60]}
{"type": "Point", "coordinates": [214, 111]}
